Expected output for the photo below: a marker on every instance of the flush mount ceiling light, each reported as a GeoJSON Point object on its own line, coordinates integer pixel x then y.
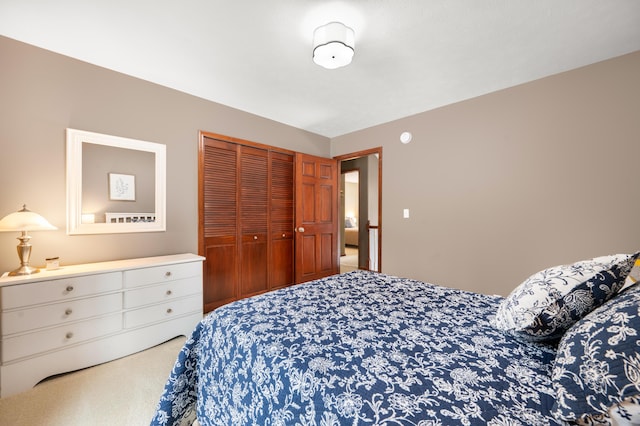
{"type": "Point", "coordinates": [333, 45]}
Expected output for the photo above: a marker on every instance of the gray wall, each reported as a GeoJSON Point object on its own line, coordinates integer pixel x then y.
{"type": "Point", "coordinates": [506, 184]}
{"type": "Point", "coordinates": [42, 93]}
{"type": "Point", "coordinates": [498, 186]}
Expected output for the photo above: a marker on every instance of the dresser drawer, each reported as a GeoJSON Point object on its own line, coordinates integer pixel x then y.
{"type": "Point", "coordinates": [56, 290]}
{"type": "Point", "coordinates": [58, 337]}
{"type": "Point", "coordinates": [163, 311]}
{"type": "Point", "coordinates": [162, 292]}
{"type": "Point", "coordinates": [158, 274]}
{"type": "Point", "coordinates": [17, 321]}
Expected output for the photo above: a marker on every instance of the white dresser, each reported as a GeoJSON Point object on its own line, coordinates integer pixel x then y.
{"type": "Point", "coordinates": [82, 315]}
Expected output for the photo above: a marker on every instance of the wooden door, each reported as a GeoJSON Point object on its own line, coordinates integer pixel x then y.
{"type": "Point", "coordinates": [246, 211]}
{"type": "Point", "coordinates": [316, 183]}
{"type": "Point", "coordinates": [218, 208]}
{"type": "Point", "coordinates": [281, 169]}
{"type": "Point", "coordinates": [254, 216]}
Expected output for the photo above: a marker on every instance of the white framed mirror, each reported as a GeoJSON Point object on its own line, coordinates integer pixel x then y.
{"type": "Point", "coordinates": [114, 184]}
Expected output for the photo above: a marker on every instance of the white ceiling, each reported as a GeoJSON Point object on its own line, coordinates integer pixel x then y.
{"type": "Point", "coordinates": [411, 55]}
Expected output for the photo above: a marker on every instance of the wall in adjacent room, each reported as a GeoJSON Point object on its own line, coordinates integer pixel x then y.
{"type": "Point", "coordinates": [43, 93]}
{"type": "Point", "coordinates": [506, 184]}
{"type": "Point", "coordinates": [351, 199]}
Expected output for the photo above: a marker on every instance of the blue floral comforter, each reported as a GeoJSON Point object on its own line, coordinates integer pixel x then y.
{"type": "Point", "coordinates": [359, 348]}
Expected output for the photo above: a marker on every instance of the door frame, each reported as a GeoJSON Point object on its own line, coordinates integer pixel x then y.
{"type": "Point", "coordinates": [366, 153]}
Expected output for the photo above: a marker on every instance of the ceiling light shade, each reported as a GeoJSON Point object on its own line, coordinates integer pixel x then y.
{"type": "Point", "coordinates": [333, 45]}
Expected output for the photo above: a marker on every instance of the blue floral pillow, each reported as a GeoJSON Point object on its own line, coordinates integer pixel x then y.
{"type": "Point", "coordinates": [547, 303]}
{"type": "Point", "coordinates": [597, 366]}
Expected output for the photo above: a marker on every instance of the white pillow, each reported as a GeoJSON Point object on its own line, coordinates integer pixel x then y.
{"type": "Point", "coordinates": [547, 303]}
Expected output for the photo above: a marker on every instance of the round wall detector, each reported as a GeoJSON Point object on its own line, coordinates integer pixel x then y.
{"type": "Point", "coordinates": [405, 137]}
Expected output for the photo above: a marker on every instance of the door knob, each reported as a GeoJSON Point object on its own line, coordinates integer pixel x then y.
{"type": "Point", "coordinates": [301, 229]}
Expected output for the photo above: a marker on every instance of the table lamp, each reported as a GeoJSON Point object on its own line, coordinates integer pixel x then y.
{"type": "Point", "coordinates": [23, 221]}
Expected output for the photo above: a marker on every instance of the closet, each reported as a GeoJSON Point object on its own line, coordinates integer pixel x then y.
{"type": "Point", "coordinates": [246, 218]}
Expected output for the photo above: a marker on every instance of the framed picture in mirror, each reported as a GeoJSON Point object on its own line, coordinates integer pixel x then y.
{"type": "Point", "coordinates": [122, 187]}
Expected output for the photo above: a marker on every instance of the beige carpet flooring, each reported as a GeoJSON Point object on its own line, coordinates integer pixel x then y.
{"type": "Point", "coordinates": [121, 392]}
{"type": "Point", "coordinates": [349, 262]}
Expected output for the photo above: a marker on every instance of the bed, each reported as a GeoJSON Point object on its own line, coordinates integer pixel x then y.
{"type": "Point", "coordinates": [351, 231]}
{"type": "Point", "coordinates": [365, 348]}
{"type": "Point", "coordinates": [351, 237]}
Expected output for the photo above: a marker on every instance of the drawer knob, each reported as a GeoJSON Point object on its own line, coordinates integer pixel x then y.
{"type": "Point", "coordinates": [167, 274]}
{"type": "Point", "coordinates": [169, 292]}
{"type": "Point", "coordinates": [69, 288]}
{"type": "Point", "coordinates": [69, 335]}
{"type": "Point", "coordinates": [68, 311]}
{"type": "Point", "coordinates": [255, 237]}
{"type": "Point", "coordinates": [283, 235]}
{"type": "Point", "coordinates": [169, 310]}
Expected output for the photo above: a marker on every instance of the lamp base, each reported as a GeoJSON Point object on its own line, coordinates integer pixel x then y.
{"type": "Point", "coordinates": [24, 270]}
{"type": "Point", "coordinates": [24, 253]}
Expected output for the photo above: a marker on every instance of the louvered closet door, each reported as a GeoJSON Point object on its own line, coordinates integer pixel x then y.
{"type": "Point", "coordinates": [246, 218]}
{"type": "Point", "coordinates": [254, 213]}
{"type": "Point", "coordinates": [220, 222]}
{"type": "Point", "coordinates": [282, 242]}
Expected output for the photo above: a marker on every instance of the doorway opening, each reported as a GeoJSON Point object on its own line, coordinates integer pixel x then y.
{"type": "Point", "coordinates": [350, 206]}
{"type": "Point", "coordinates": [361, 210]}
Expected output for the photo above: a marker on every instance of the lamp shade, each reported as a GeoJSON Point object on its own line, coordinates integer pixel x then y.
{"type": "Point", "coordinates": [24, 220]}
{"type": "Point", "coordinates": [333, 45]}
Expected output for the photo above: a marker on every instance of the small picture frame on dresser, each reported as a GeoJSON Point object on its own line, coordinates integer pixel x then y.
{"type": "Point", "coordinates": [52, 263]}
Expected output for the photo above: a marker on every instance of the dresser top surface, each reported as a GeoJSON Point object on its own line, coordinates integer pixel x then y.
{"type": "Point", "coordinates": [99, 267]}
